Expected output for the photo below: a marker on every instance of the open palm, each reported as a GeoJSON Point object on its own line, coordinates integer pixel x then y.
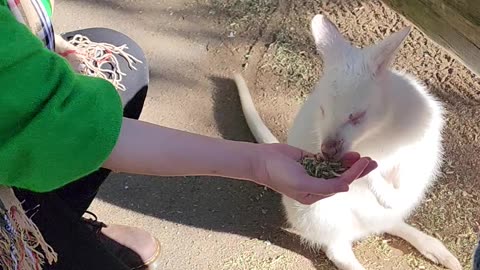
{"type": "Point", "coordinates": [279, 169]}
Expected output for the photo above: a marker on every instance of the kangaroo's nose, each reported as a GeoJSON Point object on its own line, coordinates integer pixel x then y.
{"type": "Point", "coordinates": [331, 149]}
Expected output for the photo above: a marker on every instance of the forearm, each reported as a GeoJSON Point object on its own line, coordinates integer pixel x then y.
{"type": "Point", "coordinates": [149, 149]}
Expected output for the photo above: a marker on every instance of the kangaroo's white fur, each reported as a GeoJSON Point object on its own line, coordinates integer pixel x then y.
{"type": "Point", "coordinates": [401, 130]}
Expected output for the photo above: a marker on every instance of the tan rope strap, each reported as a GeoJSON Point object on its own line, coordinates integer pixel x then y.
{"type": "Point", "coordinates": [96, 55]}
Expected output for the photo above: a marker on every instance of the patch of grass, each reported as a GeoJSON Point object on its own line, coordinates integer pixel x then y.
{"type": "Point", "coordinates": [240, 8]}
{"type": "Point", "coordinates": [295, 66]}
{"type": "Point", "coordinates": [244, 13]}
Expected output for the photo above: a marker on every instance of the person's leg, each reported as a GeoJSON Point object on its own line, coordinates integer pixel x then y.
{"type": "Point", "coordinates": [78, 247]}
{"type": "Point", "coordinates": [59, 213]}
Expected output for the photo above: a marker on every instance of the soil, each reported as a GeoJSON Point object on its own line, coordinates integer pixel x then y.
{"type": "Point", "coordinates": [193, 48]}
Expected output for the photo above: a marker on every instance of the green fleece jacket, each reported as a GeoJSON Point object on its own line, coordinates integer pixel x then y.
{"type": "Point", "coordinates": [55, 126]}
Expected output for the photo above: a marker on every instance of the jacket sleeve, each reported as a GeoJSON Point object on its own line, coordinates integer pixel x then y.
{"type": "Point", "coordinates": [55, 125]}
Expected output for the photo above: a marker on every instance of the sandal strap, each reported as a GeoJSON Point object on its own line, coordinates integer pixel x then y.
{"type": "Point", "coordinates": [93, 222]}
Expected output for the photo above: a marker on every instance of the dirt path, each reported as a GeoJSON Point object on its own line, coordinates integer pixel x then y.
{"type": "Point", "coordinates": [192, 47]}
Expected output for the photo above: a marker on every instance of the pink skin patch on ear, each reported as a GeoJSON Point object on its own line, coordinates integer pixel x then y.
{"type": "Point", "coordinates": [356, 118]}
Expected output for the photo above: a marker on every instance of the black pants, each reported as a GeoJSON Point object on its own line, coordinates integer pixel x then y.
{"type": "Point", "coordinates": [58, 213]}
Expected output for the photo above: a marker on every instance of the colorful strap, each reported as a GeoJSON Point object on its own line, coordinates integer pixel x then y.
{"type": "Point", "coordinates": [35, 14]}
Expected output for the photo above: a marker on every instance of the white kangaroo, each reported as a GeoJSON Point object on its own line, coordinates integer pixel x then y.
{"type": "Point", "coordinates": [361, 105]}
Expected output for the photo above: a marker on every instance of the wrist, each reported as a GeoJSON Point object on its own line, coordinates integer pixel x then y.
{"type": "Point", "coordinates": [247, 161]}
{"type": "Point", "coordinates": [248, 158]}
{"type": "Point", "coordinates": [257, 168]}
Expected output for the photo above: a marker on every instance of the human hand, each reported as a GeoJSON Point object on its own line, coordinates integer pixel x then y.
{"type": "Point", "coordinates": [277, 167]}
{"type": "Point", "coordinates": [69, 52]}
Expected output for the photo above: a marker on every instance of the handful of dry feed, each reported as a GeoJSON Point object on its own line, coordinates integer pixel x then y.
{"type": "Point", "coordinates": [320, 168]}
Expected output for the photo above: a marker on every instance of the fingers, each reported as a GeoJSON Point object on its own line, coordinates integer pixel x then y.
{"type": "Point", "coordinates": [318, 189]}
{"type": "Point", "coordinates": [350, 158]}
{"type": "Point", "coordinates": [324, 187]}
{"type": "Point", "coordinates": [355, 171]}
{"type": "Point", "coordinates": [372, 165]}
{"type": "Point", "coordinates": [313, 189]}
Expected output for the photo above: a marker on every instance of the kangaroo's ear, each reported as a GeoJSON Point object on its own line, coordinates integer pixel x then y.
{"type": "Point", "coordinates": [381, 55]}
{"type": "Point", "coordinates": [329, 41]}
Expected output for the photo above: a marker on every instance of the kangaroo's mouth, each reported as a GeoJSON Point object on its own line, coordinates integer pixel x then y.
{"type": "Point", "coordinates": [332, 149]}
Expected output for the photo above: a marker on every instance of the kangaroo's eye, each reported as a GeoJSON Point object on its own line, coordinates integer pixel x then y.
{"type": "Point", "coordinates": [356, 118]}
